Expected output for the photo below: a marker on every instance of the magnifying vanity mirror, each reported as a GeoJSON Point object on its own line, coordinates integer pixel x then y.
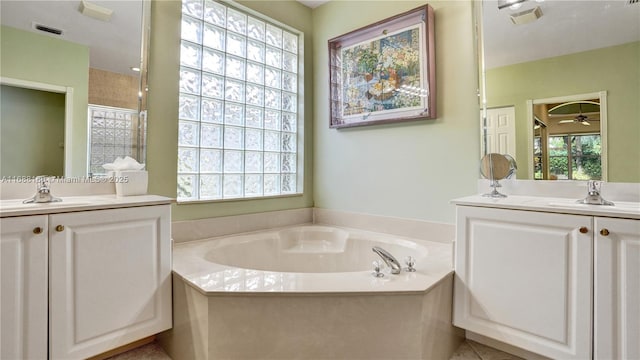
{"type": "Point", "coordinates": [495, 167]}
{"type": "Point", "coordinates": [73, 85]}
{"type": "Point", "coordinates": [560, 86]}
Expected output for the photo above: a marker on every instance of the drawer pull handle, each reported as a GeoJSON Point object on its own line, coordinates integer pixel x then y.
{"type": "Point", "coordinates": [584, 230]}
{"type": "Point", "coordinates": [37, 230]}
{"type": "Point", "coordinates": [604, 232]}
{"type": "Point", "coordinates": [59, 228]}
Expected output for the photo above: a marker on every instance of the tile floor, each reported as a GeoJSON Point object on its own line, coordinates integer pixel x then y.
{"type": "Point", "coordinates": [151, 351]}
{"type": "Point", "coordinates": [469, 350]}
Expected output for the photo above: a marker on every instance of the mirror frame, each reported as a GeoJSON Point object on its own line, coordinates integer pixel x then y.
{"type": "Point", "coordinates": [602, 95]}
{"type": "Point", "coordinates": [482, 81]}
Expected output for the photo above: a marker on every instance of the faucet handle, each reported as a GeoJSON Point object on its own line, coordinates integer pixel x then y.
{"type": "Point", "coordinates": [410, 262]}
{"type": "Point", "coordinates": [43, 181]}
{"type": "Point", "coordinates": [593, 186]}
{"type": "Point", "coordinates": [377, 272]}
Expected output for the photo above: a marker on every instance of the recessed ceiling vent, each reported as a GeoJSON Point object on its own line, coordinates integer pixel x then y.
{"type": "Point", "coordinates": [47, 29]}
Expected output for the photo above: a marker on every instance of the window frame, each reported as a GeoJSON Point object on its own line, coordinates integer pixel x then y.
{"type": "Point", "coordinates": [569, 157]}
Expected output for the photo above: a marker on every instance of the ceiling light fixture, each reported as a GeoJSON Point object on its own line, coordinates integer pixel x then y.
{"type": "Point", "coordinates": [95, 11]}
{"type": "Point", "coordinates": [527, 16]}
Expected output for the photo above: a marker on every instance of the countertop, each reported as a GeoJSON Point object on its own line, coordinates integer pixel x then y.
{"type": "Point", "coordinates": [10, 208]}
{"type": "Point", "coordinates": [621, 209]}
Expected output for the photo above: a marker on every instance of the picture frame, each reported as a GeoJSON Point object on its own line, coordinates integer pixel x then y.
{"type": "Point", "coordinates": [384, 72]}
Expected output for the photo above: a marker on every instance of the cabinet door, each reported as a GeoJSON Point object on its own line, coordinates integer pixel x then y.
{"type": "Point", "coordinates": [109, 279]}
{"type": "Point", "coordinates": [617, 289]}
{"type": "Point", "coordinates": [524, 278]}
{"type": "Point", "coordinates": [23, 299]}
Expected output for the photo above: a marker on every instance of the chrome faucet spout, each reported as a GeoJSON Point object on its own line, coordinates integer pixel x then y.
{"type": "Point", "coordinates": [388, 259]}
{"type": "Point", "coordinates": [43, 192]}
{"type": "Point", "coordinates": [593, 194]}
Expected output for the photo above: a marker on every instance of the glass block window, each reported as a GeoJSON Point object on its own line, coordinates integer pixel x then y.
{"type": "Point", "coordinates": [239, 125]}
{"type": "Point", "coordinates": [112, 134]}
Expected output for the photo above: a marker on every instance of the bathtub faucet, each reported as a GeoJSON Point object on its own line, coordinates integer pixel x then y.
{"type": "Point", "coordinates": [388, 259]}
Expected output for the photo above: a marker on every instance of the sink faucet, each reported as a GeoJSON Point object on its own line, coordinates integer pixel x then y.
{"type": "Point", "coordinates": [593, 194]}
{"type": "Point", "coordinates": [388, 259]}
{"type": "Point", "coordinates": [43, 192]}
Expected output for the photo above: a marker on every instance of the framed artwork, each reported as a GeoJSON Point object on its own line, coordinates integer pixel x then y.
{"type": "Point", "coordinates": [384, 72]}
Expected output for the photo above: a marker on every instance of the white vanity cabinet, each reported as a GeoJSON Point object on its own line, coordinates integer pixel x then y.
{"type": "Point", "coordinates": [559, 282]}
{"type": "Point", "coordinates": [109, 279]}
{"type": "Point", "coordinates": [87, 282]}
{"type": "Point", "coordinates": [524, 278]}
{"type": "Point", "coordinates": [23, 296]}
{"type": "Point", "coordinates": [617, 289]}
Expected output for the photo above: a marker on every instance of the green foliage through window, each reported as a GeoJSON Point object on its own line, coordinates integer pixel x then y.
{"type": "Point", "coordinates": [575, 157]}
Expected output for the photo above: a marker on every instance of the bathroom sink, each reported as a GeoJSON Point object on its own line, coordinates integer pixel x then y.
{"type": "Point", "coordinates": [623, 206]}
{"type": "Point", "coordinates": [10, 205]}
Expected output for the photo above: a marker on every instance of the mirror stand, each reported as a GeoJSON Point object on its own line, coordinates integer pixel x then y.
{"type": "Point", "coordinates": [495, 184]}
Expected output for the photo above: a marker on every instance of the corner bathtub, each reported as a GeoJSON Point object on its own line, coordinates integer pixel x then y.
{"type": "Point", "coordinates": [309, 292]}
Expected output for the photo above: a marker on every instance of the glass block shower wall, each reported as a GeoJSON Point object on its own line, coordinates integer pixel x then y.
{"type": "Point", "coordinates": [113, 132]}
{"type": "Point", "coordinates": [238, 106]}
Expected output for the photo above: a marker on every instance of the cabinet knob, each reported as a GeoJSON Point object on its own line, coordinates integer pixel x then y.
{"type": "Point", "coordinates": [584, 230]}
{"type": "Point", "coordinates": [37, 230]}
{"type": "Point", "coordinates": [59, 228]}
{"type": "Point", "coordinates": [604, 232]}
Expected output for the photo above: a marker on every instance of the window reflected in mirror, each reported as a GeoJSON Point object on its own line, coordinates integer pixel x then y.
{"type": "Point", "coordinates": [567, 139]}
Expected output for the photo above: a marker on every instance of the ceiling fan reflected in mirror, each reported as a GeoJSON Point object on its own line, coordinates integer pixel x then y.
{"type": "Point", "coordinates": [580, 118]}
{"type": "Point", "coordinates": [572, 112]}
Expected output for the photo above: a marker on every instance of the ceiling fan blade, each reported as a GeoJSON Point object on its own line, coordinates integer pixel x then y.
{"type": "Point", "coordinates": [585, 123]}
{"type": "Point", "coordinates": [566, 121]}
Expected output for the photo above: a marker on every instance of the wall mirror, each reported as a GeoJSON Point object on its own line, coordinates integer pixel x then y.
{"type": "Point", "coordinates": [73, 85]}
{"type": "Point", "coordinates": [536, 55]}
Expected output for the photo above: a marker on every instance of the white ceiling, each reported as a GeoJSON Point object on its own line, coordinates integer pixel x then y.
{"type": "Point", "coordinates": [565, 27]}
{"type": "Point", "coordinates": [313, 3]}
{"type": "Point", "coordinates": [114, 45]}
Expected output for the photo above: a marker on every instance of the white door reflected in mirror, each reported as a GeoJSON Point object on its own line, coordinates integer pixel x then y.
{"type": "Point", "coordinates": [499, 135]}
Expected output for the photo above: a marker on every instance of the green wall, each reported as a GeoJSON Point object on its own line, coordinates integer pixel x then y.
{"type": "Point", "coordinates": [614, 69]}
{"type": "Point", "coordinates": [162, 146]}
{"type": "Point", "coordinates": [409, 170]}
{"type": "Point", "coordinates": [412, 169]}
{"type": "Point", "coordinates": [32, 128]}
{"type": "Point", "coordinates": [41, 58]}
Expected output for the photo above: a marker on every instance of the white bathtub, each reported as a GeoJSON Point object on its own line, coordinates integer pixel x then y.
{"type": "Point", "coordinates": [307, 259]}
{"type": "Point", "coordinates": [309, 292]}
